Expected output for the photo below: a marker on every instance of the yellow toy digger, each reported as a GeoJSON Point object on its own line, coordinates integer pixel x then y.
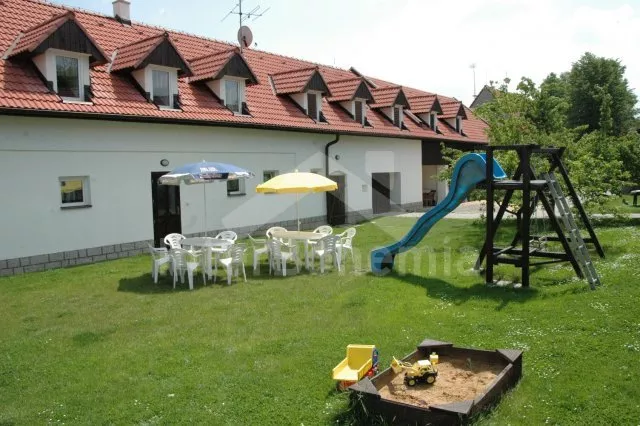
{"type": "Point", "coordinates": [421, 371]}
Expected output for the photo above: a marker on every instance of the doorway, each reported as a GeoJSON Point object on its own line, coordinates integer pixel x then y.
{"type": "Point", "coordinates": [166, 209]}
{"type": "Point", "coordinates": [336, 207]}
{"type": "Point", "coordinates": [381, 192]}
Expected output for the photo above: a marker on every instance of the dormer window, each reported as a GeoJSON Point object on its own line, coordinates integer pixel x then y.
{"type": "Point", "coordinates": [62, 51]}
{"type": "Point", "coordinates": [397, 116]}
{"type": "Point", "coordinates": [453, 112]}
{"type": "Point", "coordinates": [226, 74]}
{"type": "Point", "coordinates": [68, 78]}
{"type": "Point", "coordinates": [391, 101]}
{"type": "Point", "coordinates": [312, 105]}
{"type": "Point", "coordinates": [161, 92]}
{"type": "Point", "coordinates": [232, 96]}
{"type": "Point", "coordinates": [458, 124]}
{"type": "Point", "coordinates": [305, 87]}
{"type": "Point", "coordinates": [433, 121]}
{"type": "Point", "coordinates": [358, 107]}
{"type": "Point", "coordinates": [155, 64]}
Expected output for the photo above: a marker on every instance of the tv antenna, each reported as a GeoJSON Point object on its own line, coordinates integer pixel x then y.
{"type": "Point", "coordinates": [473, 67]}
{"type": "Point", "coordinates": [245, 37]}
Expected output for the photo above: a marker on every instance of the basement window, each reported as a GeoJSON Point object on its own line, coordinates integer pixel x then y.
{"type": "Point", "coordinates": [74, 192]}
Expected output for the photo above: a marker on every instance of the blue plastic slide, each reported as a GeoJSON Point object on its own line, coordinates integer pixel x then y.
{"type": "Point", "coordinates": [469, 171]}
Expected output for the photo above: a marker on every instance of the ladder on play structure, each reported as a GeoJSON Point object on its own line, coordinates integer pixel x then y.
{"type": "Point", "coordinates": [576, 243]}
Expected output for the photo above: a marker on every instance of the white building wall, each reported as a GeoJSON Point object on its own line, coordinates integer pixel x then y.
{"type": "Point", "coordinates": [119, 157]}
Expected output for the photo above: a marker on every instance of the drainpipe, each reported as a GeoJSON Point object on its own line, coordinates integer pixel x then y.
{"type": "Point", "coordinates": [326, 169]}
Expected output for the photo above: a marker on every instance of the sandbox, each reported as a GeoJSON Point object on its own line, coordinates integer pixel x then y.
{"type": "Point", "coordinates": [469, 382]}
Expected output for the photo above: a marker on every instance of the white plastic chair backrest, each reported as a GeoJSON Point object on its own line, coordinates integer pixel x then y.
{"type": "Point", "coordinates": [274, 229]}
{"type": "Point", "coordinates": [173, 240]}
{"type": "Point", "coordinates": [182, 257]}
{"type": "Point", "coordinates": [237, 253]}
{"type": "Point", "coordinates": [275, 247]}
{"type": "Point", "coordinates": [157, 253]}
{"type": "Point", "coordinates": [348, 233]}
{"type": "Point", "coordinates": [328, 243]}
{"type": "Point", "coordinates": [346, 242]}
{"type": "Point", "coordinates": [324, 230]}
{"type": "Point", "coordinates": [256, 243]}
{"type": "Point", "coordinates": [227, 235]}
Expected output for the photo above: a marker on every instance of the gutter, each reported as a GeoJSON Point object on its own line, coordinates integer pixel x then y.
{"type": "Point", "coordinates": [326, 154]}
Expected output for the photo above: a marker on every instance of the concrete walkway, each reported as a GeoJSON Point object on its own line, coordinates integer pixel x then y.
{"type": "Point", "coordinates": [477, 209]}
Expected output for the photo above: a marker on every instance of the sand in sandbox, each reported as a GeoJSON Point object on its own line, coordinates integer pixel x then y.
{"type": "Point", "coordinates": [456, 382]}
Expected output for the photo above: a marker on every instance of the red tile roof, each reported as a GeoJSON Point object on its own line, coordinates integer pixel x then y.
{"type": "Point", "coordinates": [423, 104]}
{"type": "Point", "coordinates": [292, 81]}
{"type": "Point", "coordinates": [22, 90]}
{"type": "Point", "coordinates": [344, 90]}
{"type": "Point", "coordinates": [132, 55]}
{"type": "Point", "coordinates": [451, 109]}
{"type": "Point", "coordinates": [208, 66]}
{"type": "Point", "coordinates": [389, 96]}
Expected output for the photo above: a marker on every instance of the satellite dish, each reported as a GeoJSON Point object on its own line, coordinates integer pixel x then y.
{"type": "Point", "coordinates": [245, 36]}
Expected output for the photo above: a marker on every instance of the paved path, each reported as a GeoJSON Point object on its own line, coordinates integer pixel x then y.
{"type": "Point", "coordinates": [477, 209]}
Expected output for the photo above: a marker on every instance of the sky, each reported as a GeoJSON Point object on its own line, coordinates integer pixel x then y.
{"type": "Point", "coordinates": [426, 44]}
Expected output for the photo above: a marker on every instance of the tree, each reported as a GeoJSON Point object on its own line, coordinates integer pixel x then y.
{"type": "Point", "coordinates": [599, 96]}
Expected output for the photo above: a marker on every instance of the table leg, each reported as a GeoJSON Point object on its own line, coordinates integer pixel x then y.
{"type": "Point", "coordinates": [635, 200]}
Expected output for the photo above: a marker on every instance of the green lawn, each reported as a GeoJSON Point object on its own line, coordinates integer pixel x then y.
{"type": "Point", "coordinates": [101, 344]}
{"type": "Point", "coordinates": [617, 202]}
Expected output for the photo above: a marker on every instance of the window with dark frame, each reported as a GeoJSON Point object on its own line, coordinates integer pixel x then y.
{"type": "Point", "coordinates": [68, 77]}
{"type": "Point", "coordinates": [359, 112]}
{"type": "Point", "coordinates": [269, 174]}
{"type": "Point", "coordinates": [235, 187]}
{"type": "Point", "coordinates": [396, 116]}
{"type": "Point", "coordinates": [232, 95]}
{"type": "Point", "coordinates": [432, 121]}
{"type": "Point", "coordinates": [161, 92]}
{"type": "Point", "coordinates": [312, 106]}
{"type": "Point", "coordinates": [458, 124]}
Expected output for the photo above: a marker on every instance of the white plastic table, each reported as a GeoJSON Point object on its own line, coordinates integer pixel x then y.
{"type": "Point", "coordinates": [210, 246]}
{"type": "Point", "coordinates": [299, 236]}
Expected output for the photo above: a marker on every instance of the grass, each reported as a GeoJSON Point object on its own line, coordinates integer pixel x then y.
{"type": "Point", "coordinates": [102, 344]}
{"type": "Point", "coordinates": [617, 203]}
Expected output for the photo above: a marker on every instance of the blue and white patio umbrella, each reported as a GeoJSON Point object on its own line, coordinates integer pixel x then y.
{"type": "Point", "coordinates": [204, 172]}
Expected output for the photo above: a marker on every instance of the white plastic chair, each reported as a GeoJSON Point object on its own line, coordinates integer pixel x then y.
{"type": "Point", "coordinates": [279, 258]}
{"type": "Point", "coordinates": [327, 247]}
{"type": "Point", "coordinates": [185, 261]}
{"type": "Point", "coordinates": [159, 257]}
{"type": "Point", "coordinates": [311, 245]}
{"type": "Point", "coordinates": [234, 262]}
{"type": "Point", "coordinates": [173, 240]}
{"type": "Point", "coordinates": [260, 247]}
{"type": "Point", "coordinates": [227, 235]}
{"type": "Point", "coordinates": [346, 244]}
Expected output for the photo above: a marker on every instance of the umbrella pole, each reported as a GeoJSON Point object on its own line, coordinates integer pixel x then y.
{"type": "Point", "coordinates": [297, 211]}
{"type": "Point", "coordinates": [204, 191]}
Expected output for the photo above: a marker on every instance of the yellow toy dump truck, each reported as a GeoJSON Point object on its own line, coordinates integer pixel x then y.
{"type": "Point", "coordinates": [361, 360]}
{"type": "Point", "coordinates": [421, 371]}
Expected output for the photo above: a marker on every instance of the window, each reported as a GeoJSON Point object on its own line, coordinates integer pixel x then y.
{"type": "Point", "coordinates": [432, 122]}
{"type": "Point", "coordinates": [74, 192]}
{"type": "Point", "coordinates": [459, 124]}
{"type": "Point", "coordinates": [235, 187]}
{"type": "Point", "coordinates": [312, 106]}
{"type": "Point", "coordinates": [269, 174]}
{"type": "Point", "coordinates": [397, 116]}
{"type": "Point", "coordinates": [359, 116]}
{"type": "Point", "coordinates": [232, 95]}
{"type": "Point", "coordinates": [161, 93]}
{"type": "Point", "coordinates": [68, 77]}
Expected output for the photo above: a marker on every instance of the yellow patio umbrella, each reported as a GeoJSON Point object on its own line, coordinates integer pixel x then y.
{"type": "Point", "coordinates": [297, 183]}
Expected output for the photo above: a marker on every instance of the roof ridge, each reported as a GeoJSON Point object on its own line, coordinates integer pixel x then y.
{"type": "Point", "coordinates": [394, 87]}
{"type": "Point", "coordinates": [295, 70]}
{"type": "Point", "coordinates": [426, 95]}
